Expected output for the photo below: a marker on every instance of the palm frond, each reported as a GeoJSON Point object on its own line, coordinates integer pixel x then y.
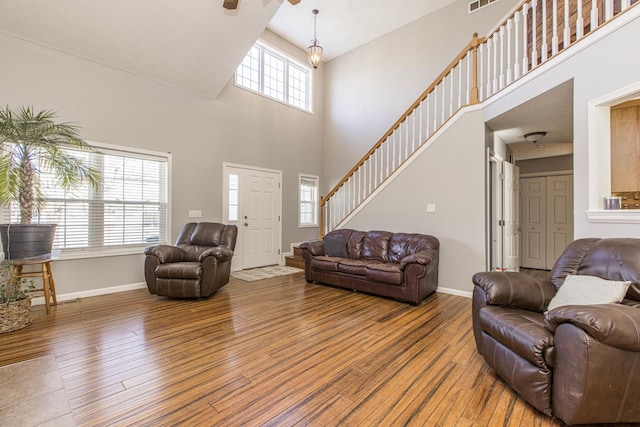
{"type": "Point", "coordinates": [25, 134]}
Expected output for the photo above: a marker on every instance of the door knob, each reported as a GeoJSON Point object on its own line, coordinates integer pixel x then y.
{"type": "Point", "coordinates": [246, 224]}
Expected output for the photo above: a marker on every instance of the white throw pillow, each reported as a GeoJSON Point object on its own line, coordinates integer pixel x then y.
{"type": "Point", "coordinates": [586, 290]}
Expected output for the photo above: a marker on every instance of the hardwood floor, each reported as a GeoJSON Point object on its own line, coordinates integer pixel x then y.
{"type": "Point", "coordinates": [277, 352]}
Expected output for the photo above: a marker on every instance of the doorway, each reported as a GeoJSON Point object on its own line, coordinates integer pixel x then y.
{"type": "Point", "coordinates": [252, 200]}
{"type": "Point", "coordinates": [547, 219]}
{"type": "Point", "coordinates": [504, 239]}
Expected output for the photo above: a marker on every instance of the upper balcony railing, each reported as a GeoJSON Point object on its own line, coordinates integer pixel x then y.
{"type": "Point", "coordinates": [531, 34]}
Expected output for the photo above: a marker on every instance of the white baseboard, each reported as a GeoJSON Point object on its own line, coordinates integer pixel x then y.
{"type": "Point", "coordinates": [91, 293]}
{"type": "Point", "coordinates": [456, 292]}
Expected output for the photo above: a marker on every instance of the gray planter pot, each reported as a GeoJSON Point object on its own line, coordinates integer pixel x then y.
{"type": "Point", "coordinates": [20, 241]}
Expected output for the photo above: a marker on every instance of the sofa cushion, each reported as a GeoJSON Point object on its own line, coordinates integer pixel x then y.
{"type": "Point", "coordinates": [376, 245]}
{"type": "Point", "coordinates": [402, 245]}
{"type": "Point", "coordinates": [335, 245]}
{"type": "Point", "coordinates": [520, 330]}
{"type": "Point", "coordinates": [354, 243]}
{"type": "Point", "coordinates": [353, 266]}
{"type": "Point", "coordinates": [325, 263]}
{"type": "Point", "coordinates": [179, 270]}
{"type": "Point", "coordinates": [389, 273]}
{"type": "Point", "coordinates": [586, 290]}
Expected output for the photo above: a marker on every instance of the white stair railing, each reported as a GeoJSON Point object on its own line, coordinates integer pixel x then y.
{"type": "Point", "coordinates": [531, 34]}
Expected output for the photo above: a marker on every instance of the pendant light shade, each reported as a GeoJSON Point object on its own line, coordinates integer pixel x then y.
{"type": "Point", "coordinates": [314, 52]}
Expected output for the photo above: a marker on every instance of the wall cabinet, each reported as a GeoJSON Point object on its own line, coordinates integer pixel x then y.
{"type": "Point", "coordinates": [625, 147]}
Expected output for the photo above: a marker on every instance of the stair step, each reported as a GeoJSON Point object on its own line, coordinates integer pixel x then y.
{"type": "Point", "coordinates": [296, 260]}
{"type": "Point", "coordinates": [291, 261]}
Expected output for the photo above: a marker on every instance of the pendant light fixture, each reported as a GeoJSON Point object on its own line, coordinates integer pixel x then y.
{"type": "Point", "coordinates": [314, 52]}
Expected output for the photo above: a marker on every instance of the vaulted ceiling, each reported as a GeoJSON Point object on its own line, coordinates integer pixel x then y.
{"type": "Point", "coordinates": [197, 44]}
{"type": "Point", "coordinates": [192, 44]}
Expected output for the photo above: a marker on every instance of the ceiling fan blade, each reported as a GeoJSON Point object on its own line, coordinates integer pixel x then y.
{"type": "Point", "coordinates": [230, 4]}
{"type": "Point", "coordinates": [294, 2]}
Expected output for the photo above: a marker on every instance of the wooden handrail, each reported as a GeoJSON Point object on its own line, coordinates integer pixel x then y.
{"type": "Point", "coordinates": [497, 78]}
{"type": "Point", "coordinates": [473, 45]}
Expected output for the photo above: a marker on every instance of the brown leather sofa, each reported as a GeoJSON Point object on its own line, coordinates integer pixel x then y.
{"type": "Point", "coordinates": [580, 363]}
{"type": "Point", "coordinates": [198, 265]}
{"type": "Point", "coordinates": [401, 266]}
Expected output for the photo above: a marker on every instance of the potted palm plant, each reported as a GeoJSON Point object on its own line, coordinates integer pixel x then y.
{"type": "Point", "coordinates": [15, 302]}
{"type": "Point", "coordinates": [31, 143]}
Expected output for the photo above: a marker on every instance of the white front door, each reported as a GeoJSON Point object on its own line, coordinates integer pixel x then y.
{"type": "Point", "coordinates": [559, 216]}
{"type": "Point", "coordinates": [511, 217]}
{"type": "Point", "coordinates": [261, 219]}
{"type": "Point", "coordinates": [253, 201]}
{"type": "Point", "coordinates": [534, 222]}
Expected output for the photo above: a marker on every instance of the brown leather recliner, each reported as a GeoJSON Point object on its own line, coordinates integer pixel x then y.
{"type": "Point", "coordinates": [198, 265]}
{"type": "Point", "coordinates": [580, 363]}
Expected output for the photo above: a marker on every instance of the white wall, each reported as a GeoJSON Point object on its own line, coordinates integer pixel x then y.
{"type": "Point", "coordinates": [119, 108]}
{"type": "Point", "coordinates": [450, 174]}
{"type": "Point", "coordinates": [604, 67]}
{"type": "Point", "coordinates": [369, 88]}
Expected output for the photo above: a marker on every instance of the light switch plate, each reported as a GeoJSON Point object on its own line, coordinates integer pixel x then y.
{"type": "Point", "coordinates": [195, 214]}
{"type": "Point", "coordinates": [431, 207]}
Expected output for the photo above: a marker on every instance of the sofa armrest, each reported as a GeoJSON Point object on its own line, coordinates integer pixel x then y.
{"type": "Point", "coordinates": [616, 325]}
{"type": "Point", "coordinates": [428, 257]}
{"type": "Point", "coordinates": [315, 247]}
{"type": "Point", "coordinates": [166, 253]}
{"type": "Point", "coordinates": [221, 253]}
{"type": "Point", "coordinates": [515, 290]}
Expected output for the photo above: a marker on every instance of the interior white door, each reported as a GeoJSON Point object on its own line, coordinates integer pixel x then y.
{"type": "Point", "coordinates": [534, 222]}
{"type": "Point", "coordinates": [511, 217]}
{"type": "Point", "coordinates": [495, 214]}
{"type": "Point", "coordinates": [260, 222]}
{"type": "Point", "coordinates": [559, 216]}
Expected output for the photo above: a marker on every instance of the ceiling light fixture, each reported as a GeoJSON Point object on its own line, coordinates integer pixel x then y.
{"type": "Point", "coordinates": [314, 52]}
{"type": "Point", "coordinates": [535, 137]}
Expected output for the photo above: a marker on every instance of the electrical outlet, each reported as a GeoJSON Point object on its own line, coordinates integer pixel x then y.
{"type": "Point", "coordinates": [431, 207]}
{"type": "Point", "coordinates": [195, 214]}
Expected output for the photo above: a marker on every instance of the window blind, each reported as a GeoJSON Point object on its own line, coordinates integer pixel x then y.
{"type": "Point", "coordinates": [129, 209]}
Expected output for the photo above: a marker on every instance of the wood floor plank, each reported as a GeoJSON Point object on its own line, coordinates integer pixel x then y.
{"type": "Point", "coordinates": [276, 352]}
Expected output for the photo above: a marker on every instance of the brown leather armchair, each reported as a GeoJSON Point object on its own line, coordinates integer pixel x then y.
{"type": "Point", "coordinates": [580, 363]}
{"type": "Point", "coordinates": [198, 265]}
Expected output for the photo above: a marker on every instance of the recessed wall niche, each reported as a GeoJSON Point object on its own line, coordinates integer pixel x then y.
{"type": "Point", "coordinates": [625, 153]}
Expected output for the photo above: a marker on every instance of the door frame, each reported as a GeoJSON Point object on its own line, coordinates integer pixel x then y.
{"type": "Point", "coordinates": [237, 260]}
{"type": "Point", "coordinates": [496, 207]}
{"type": "Point", "coordinates": [494, 211]}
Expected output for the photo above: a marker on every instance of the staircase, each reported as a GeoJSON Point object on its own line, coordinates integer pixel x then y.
{"type": "Point", "coordinates": [296, 260]}
{"type": "Point", "coordinates": [531, 34]}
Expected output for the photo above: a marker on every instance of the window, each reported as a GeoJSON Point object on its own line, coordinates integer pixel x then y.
{"type": "Point", "coordinates": [276, 75]}
{"type": "Point", "coordinates": [234, 196]}
{"type": "Point", "coordinates": [308, 201]}
{"type": "Point", "coordinates": [129, 210]}
{"type": "Point", "coordinates": [477, 4]}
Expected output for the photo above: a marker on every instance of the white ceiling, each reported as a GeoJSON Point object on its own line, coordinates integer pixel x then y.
{"type": "Point", "coordinates": [344, 25]}
{"type": "Point", "coordinates": [196, 44]}
{"type": "Point", "coordinates": [193, 44]}
{"type": "Point", "coordinates": [550, 112]}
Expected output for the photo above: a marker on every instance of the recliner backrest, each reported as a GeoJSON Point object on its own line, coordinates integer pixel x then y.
{"type": "Point", "coordinates": [610, 259]}
{"type": "Point", "coordinates": [196, 238]}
